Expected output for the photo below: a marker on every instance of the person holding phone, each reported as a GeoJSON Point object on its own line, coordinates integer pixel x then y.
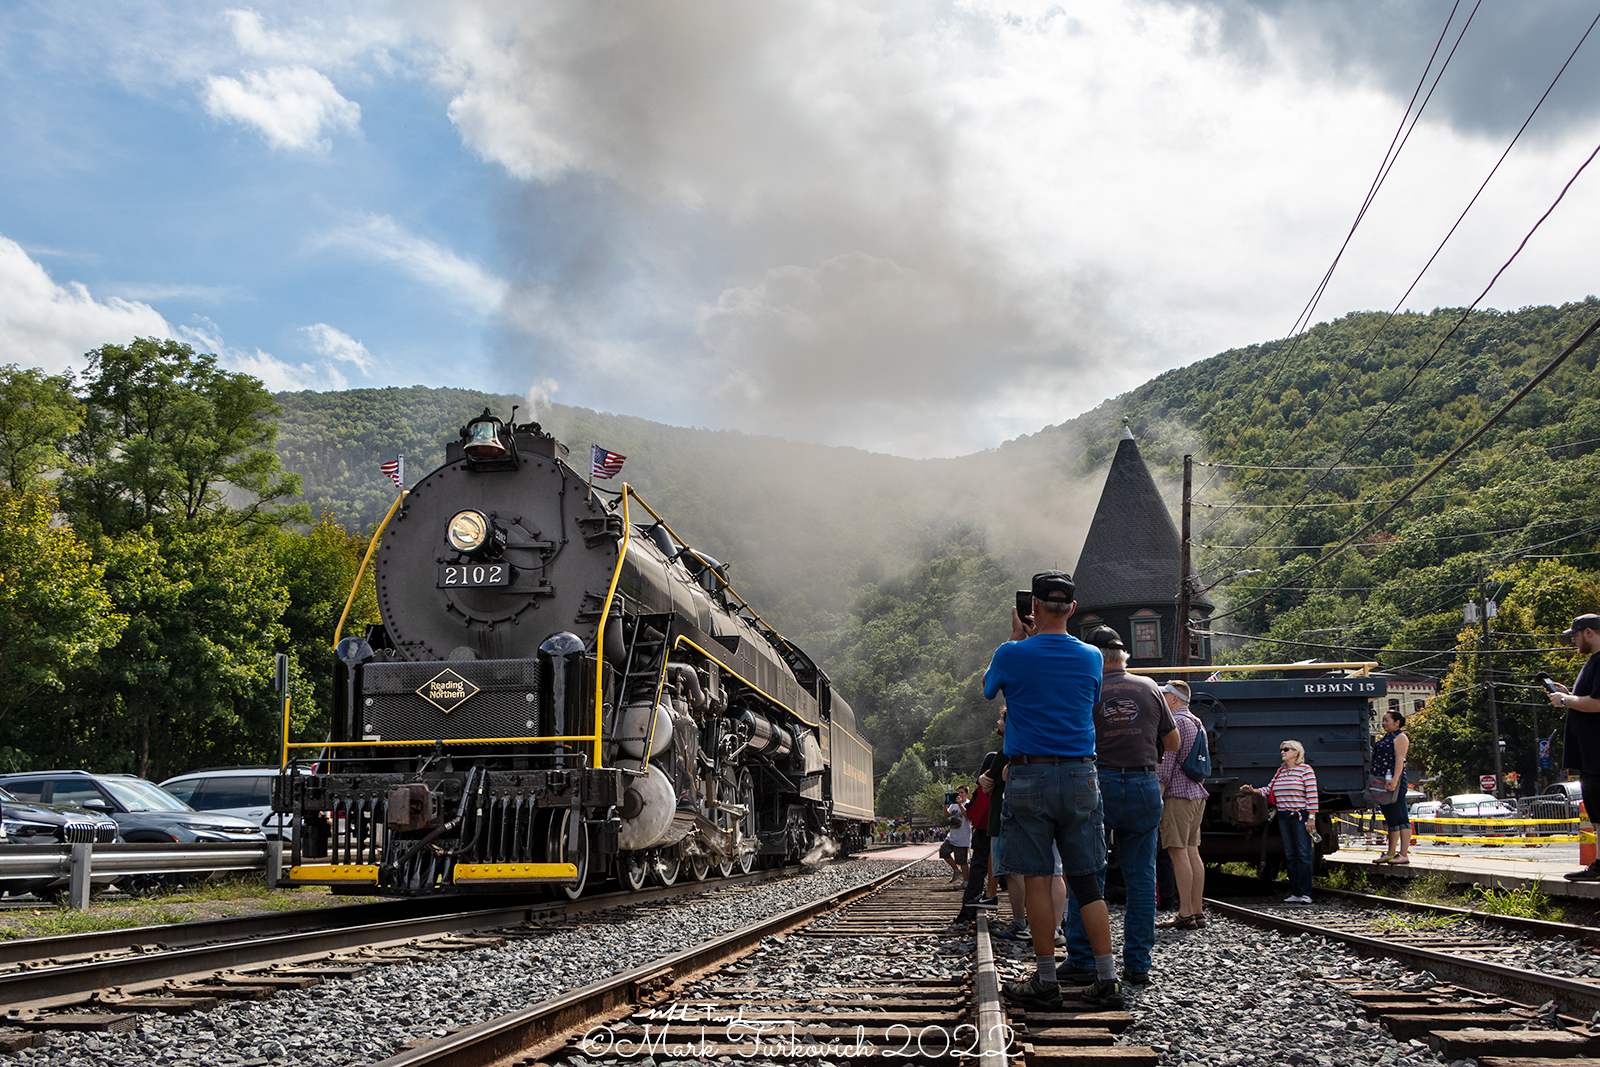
{"type": "Point", "coordinates": [1389, 763]}
{"type": "Point", "coordinates": [1581, 747]}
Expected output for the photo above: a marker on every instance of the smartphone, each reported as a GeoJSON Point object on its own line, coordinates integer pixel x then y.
{"type": "Point", "coordinates": [1544, 680]}
{"type": "Point", "coordinates": [1025, 603]}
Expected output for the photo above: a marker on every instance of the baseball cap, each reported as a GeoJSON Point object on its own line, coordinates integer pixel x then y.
{"type": "Point", "coordinates": [1054, 585]}
{"type": "Point", "coordinates": [1104, 637]}
{"type": "Point", "coordinates": [1582, 622]}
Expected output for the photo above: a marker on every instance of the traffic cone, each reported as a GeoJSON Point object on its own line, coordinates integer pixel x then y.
{"type": "Point", "coordinates": [1586, 849]}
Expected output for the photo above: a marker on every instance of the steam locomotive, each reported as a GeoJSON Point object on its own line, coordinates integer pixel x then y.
{"type": "Point", "coordinates": [562, 690]}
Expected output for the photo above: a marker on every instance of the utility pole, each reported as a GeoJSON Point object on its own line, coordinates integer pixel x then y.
{"type": "Point", "coordinates": [1183, 568]}
{"type": "Point", "coordinates": [1488, 675]}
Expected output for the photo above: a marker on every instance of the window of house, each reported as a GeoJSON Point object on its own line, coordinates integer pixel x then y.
{"type": "Point", "coordinates": [1199, 642]}
{"type": "Point", "coordinates": [1087, 623]}
{"type": "Point", "coordinates": [1146, 634]}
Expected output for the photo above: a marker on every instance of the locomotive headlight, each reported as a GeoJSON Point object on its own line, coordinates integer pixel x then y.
{"type": "Point", "coordinates": [468, 531]}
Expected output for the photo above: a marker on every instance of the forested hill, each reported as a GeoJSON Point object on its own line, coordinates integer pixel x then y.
{"type": "Point", "coordinates": [896, 572]}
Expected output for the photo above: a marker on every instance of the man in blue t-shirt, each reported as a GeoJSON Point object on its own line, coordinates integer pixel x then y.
{"type": "Point", "coordinates": [1051, 681]}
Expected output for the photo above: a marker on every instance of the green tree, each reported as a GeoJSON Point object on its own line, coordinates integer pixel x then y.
{"type": "Point", "coordinates": [167, 439]}
{"type": "Point", "coordinates": [901, 786]}
{"type": "Point", "coordinates": [189, 683]}
{"type": "Point", "coordinates": [318, 568]}
{"type": "Point", "coordinates": [38, 413]}
{"type": "Point", "coordinates": [55, 614]}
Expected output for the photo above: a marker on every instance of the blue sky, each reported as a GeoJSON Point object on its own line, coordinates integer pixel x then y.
{"type": "Point", "coordinates": [916, 228]}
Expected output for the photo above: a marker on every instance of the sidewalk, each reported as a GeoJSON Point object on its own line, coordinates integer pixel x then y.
{"type": "Point", "coordinates": [905, 853]}
{"type": "Point", "coordinates": [1507, 866]}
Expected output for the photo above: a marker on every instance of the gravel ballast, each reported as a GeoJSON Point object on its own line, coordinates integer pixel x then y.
{"type": "Point", "coordinates": [359, 1020]}
{"type": "Point", "coordinates": [1228, 994]}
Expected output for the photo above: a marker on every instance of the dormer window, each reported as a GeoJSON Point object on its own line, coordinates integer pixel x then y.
{"type": "Point", "coordinates": [1146, 626]}
{"type": "Point", "coordinates": [1087, 623]}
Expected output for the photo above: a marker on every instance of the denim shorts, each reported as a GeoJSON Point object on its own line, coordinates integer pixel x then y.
{"type": "Point", "coordinates": [1052, 806]}
{"type": "Point", "coordinates": [1000, 868]}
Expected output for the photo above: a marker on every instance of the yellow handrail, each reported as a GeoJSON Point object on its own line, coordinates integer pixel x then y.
{"type": "Point", "coordinates": [351, 599]}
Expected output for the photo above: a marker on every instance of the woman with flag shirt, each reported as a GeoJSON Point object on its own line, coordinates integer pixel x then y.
{"type": "Point", "coordinates": [1293, 791]}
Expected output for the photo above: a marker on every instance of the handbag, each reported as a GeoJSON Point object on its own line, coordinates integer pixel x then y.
{"type": "Point", "coordinates": [1379, 793]}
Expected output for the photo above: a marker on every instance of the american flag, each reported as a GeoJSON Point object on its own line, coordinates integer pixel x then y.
{"type": "Point", "coordinates": [396, 470]}
{"type": "Point", "coordinates": [603, 464]}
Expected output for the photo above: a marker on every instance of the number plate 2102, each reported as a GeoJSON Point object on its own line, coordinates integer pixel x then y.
{"type": "Point", "coordinates": [470, 575]}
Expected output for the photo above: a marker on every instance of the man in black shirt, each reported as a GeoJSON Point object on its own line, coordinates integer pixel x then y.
{"type": "Point", "coordinates": [1581, 748]}
{"type": "Point", "coordinates": [1132, 728]}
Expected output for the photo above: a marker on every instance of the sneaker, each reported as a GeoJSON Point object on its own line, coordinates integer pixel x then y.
{"type": "Point", "coordinates": [1032, 995]}
{"type": "Point", "coordinates": [1136, 977]}
{"type": "Point", "coordinates": [1061, 938]}
{"type": "Point", "coordinates": [1103, 994]}
{"type": "Point", "coordinates": [1076, 976]}
{"type": "Point", "coordinates": [1015, 931]}
{"type": "Point", "coordinates": [1297, 900]}
{"type": "Point", "coordinates": [986, 903]}
{"type": "Point", "coordinates": [1590, 873]}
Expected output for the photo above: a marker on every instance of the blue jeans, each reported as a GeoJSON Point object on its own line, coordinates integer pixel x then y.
{"type": "Point", "coordinates": [1296, 852]}
{"type": "Point", "coordinates": [1133, 814]}
{"type": "Point", "coordinates": [1048, 808]}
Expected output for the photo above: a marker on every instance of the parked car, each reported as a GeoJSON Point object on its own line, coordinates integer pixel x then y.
{"type": "Point", "coordinates": [22, 824]}
{"type": "Point", "coordinates": [1422, 814]}
{"type": "Point", "coordinates": [1560, 801]}
{"type": "Point", "coordinates": [1485, 807]}
{"type": "Point", "coordinates": [142, 810]}
{"type": "Point", "coordinates": [243, 792]}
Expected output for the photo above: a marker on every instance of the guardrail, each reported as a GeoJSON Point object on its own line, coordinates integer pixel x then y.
{"type": "Point", "coordinates": [83, 862]}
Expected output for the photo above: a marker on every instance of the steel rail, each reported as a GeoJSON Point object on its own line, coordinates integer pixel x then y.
{"type": "Point", "coordinates": [53, 985]}
{"type": "Point", "coordinates": [520, 1031]}
{"type": "Point", "coordinates": [1512, 983]}
{"type": "Point", "coordinates": [1589, 935]}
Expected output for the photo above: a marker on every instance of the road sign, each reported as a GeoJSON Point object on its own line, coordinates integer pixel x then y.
{"type": "Point", "coordinates": [1486, 783]}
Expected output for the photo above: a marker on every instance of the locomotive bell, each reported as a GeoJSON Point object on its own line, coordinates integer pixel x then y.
{"type": "Point", "coordinates": [485, 441]}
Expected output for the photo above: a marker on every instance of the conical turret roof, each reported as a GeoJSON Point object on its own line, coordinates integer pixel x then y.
{"type": "Point", "coordinates": [1132, 553]}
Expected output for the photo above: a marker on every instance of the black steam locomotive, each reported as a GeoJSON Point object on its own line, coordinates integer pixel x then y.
{"type": "Point", "coordinates": [561, 689]}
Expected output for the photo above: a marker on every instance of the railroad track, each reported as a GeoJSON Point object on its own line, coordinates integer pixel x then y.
{"type": "Point", "coordinates": [864, 974]}
{"type": "Point", "coordinates": [1470, 999]}
{"type": "Point", "coordinates": [101, 981]}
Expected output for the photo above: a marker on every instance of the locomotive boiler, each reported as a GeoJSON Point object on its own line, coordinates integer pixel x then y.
{"type": "Point", "coordinates": [562, 690]}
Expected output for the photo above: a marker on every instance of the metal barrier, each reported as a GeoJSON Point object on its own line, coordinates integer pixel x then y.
{"type": "Point", "coordinates": [1519, 829]}
{"type": "Point", "coordinates": [81, 862]}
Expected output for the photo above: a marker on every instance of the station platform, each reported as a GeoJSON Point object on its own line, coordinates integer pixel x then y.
{"type": "Point", "coordinates": [1504, 866]}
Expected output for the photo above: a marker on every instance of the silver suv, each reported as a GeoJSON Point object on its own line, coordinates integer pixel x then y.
{"type": "Point", "coordinates": [243, 792]}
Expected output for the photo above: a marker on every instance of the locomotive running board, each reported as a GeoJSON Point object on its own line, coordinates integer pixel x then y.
{"type": "Point", "coordinates": [327, 873]}
{"type": "Point", "coordinates": [516, 872]}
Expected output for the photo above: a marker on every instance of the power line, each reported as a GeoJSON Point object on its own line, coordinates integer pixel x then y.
{"type": "Point", "coordinates": [1388, 466]}
{"type": "Point", "coordinates": [1389, 318]}
{"type": "Point", "coordinates": [1425, 540]}
{"type": "Point", "coordinates": [1479, 432]}
{"type": "Point", "coordinates": [1505, 487]}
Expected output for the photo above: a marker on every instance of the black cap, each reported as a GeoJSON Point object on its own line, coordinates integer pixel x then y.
{"type": "Point", "coordinates": [1105, 637]}
{"type": "Point", "coordinates": [1054, 585]}
{"type": "Point", "coordinates": [1582, 622]}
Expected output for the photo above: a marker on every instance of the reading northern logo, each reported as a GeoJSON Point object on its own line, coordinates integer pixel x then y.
{"type": "Point", "coordinates": [447, 691]}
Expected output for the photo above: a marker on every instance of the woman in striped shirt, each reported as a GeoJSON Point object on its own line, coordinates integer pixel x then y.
{"type": "Point", "coordinates": [1293, 791]}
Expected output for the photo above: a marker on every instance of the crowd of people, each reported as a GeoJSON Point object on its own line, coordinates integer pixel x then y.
{"type": "Point", "coordinates": [1090, 748]}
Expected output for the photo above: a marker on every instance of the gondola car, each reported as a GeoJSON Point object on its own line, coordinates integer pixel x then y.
{"type": "Point", "coordinates": [562, 690]}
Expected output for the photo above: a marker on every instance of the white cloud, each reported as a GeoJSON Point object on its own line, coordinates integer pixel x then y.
{"type": "Point", "coordinates": [278, 375]}
{"type": "Point", "coordinates": [459, 280]}
{"type": "Point", "coordinates": [290, 106]}
{"type": "Point", "coordinates": [845, 220]}
{"type": "Point", "coordinates": [339, 346]}
{"type": "Point", "coordinates": [43, 324]}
